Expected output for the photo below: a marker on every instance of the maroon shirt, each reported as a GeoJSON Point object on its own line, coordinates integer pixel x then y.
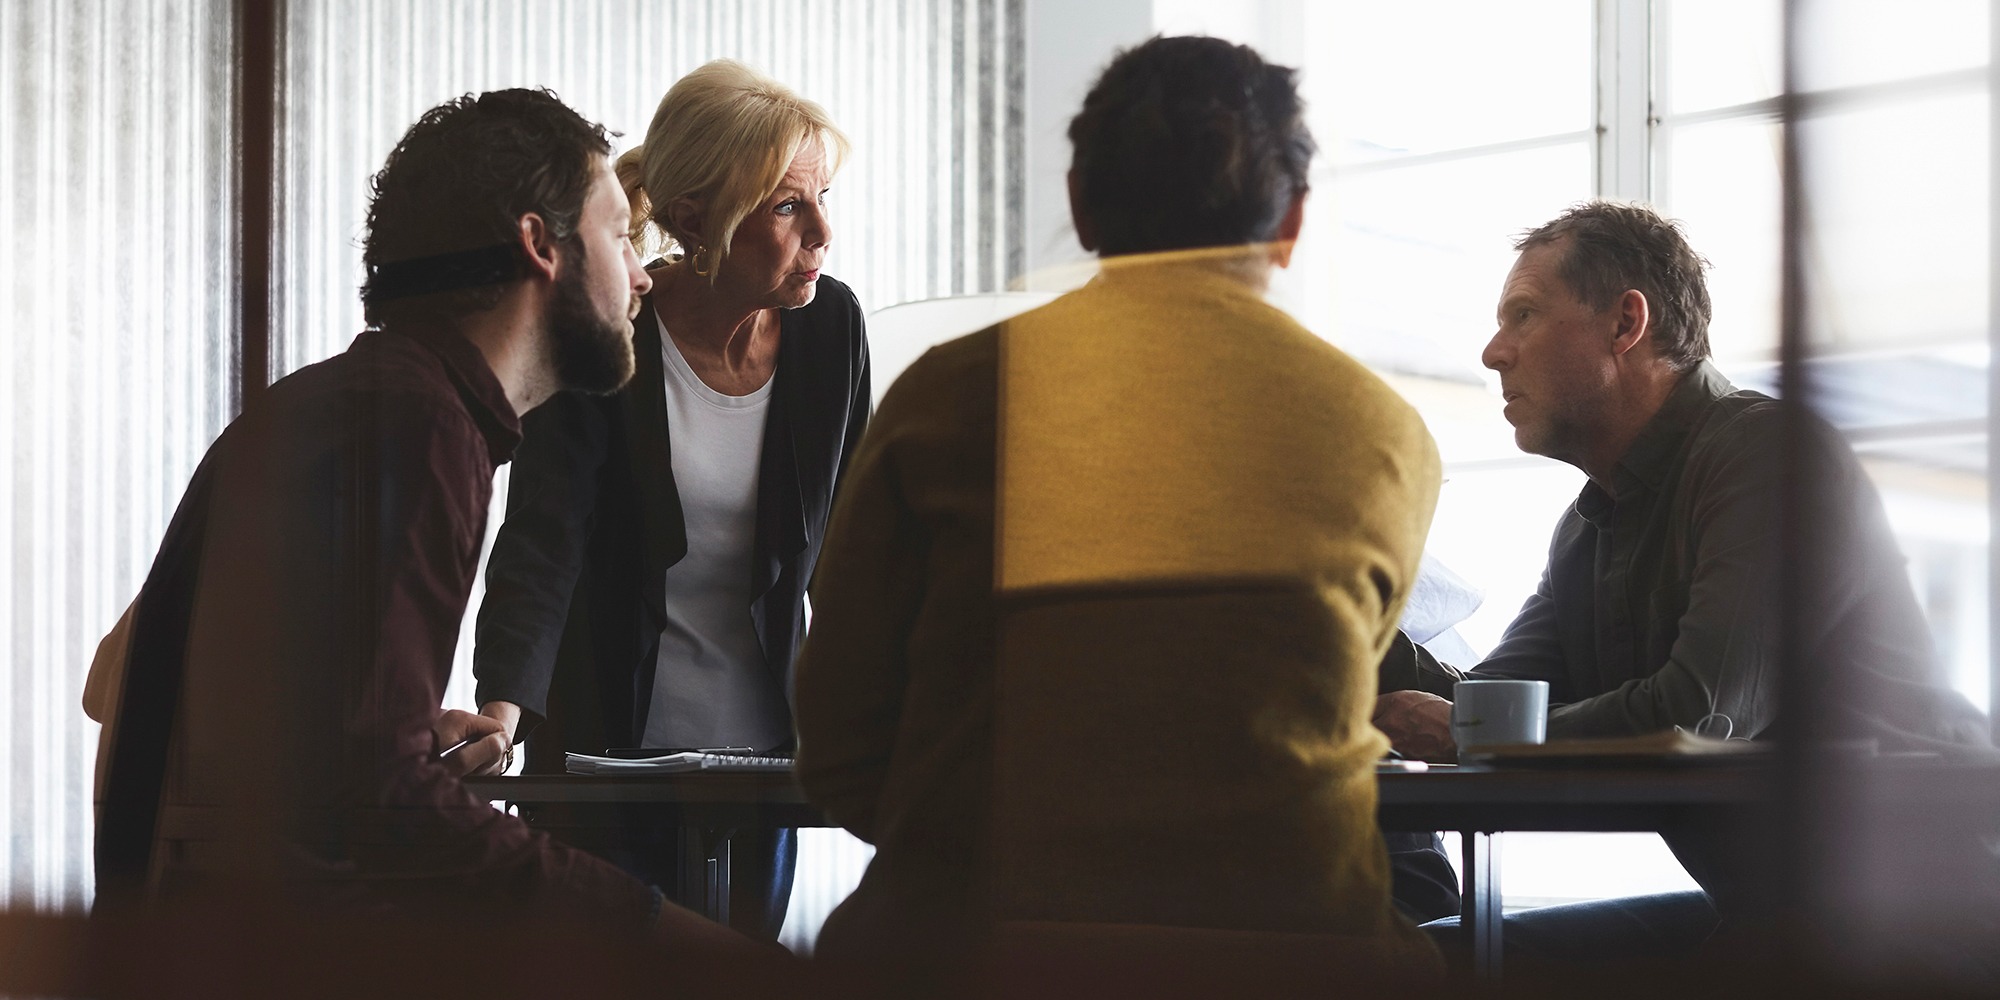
{"type": "Point", "coordinates": [293, 644]}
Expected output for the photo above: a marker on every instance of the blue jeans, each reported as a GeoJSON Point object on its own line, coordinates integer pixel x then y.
{"type": "Point", "coordinates": [1601, 932]}
{"type": "Point", "coordinates": [1422, 883]}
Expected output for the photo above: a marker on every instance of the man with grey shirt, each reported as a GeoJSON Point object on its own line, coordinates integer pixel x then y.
{"type": "Point", "coordinates": [1657, 607]}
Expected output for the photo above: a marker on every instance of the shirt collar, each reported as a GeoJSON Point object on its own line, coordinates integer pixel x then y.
{"type": "Point", "coordinates": [477, 386]}
{"type": "Point", "coordinates": [1650, 458]}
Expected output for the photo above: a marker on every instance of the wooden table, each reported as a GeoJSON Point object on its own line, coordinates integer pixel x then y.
{"type": "Point", "coordinates": [1478, 802]}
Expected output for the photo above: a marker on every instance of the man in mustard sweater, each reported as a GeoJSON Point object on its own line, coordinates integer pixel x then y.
{"type": "Point", "coordinates": [1107, 584]}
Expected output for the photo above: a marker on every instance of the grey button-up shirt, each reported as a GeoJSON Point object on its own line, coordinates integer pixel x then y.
{"type": "Point", "coordinates": [1660, 602]}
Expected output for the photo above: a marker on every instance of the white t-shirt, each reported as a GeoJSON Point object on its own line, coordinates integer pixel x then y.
{"type": "Point", "coordinates": [711, 687]}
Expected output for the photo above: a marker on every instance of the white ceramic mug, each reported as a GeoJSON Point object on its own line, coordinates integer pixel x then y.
{"type": "Point", "coordinates": [1487, 713]}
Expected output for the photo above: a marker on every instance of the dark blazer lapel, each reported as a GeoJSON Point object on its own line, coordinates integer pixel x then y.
{"type": "Point", "coordinates": [781, 520]}
{"type": "Point", "coordinates": [661, 521]}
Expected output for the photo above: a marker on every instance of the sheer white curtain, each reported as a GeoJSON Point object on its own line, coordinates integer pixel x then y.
{"type": "Point", "coordinates": [929, 91]}
{"type": "Point", "coordinates": [116, 142]}
{"type": "Point", "coordinates": [117, 369]}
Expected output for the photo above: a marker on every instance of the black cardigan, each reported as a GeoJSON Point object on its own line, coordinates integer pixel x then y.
{"type": "Point", "coordinates": [575, 589]}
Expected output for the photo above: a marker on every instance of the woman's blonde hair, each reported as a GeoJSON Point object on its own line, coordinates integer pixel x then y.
{"type": "Point", "coordinates": [723, 136]}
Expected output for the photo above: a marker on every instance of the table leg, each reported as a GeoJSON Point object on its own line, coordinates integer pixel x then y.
{"type": "Point", "coordinates": [705, 871]}
{"type": "Point", "coordinates": [1479, 914]}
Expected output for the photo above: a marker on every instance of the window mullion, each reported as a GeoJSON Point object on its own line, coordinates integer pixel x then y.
{"type": "Point", "coordinates": [1624, 98]}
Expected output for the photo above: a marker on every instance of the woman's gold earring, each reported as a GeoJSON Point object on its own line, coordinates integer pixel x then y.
{"type": "Point", "coordinates": [702, 265]}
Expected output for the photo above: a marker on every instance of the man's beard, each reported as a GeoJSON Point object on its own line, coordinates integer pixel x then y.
{"type": "Point", "coordinates": [589, 354]}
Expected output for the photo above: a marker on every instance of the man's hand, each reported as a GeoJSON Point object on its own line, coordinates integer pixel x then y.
{"type": "Point", "coordinates": [489, 753]}
{"type": "Point", "coordinates": [1418, 725]}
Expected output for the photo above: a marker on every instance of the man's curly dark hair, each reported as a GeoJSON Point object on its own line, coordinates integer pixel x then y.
{"type": "Point", "coordinates": [459, 181]}
{"type": "Point", "coordinates": [1189, 142]}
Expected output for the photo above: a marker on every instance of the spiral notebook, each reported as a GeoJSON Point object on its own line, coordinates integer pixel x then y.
{"type": "Point", "coordinates": [674, 763]}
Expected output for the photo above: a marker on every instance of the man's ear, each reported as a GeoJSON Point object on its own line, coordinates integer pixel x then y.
{"type": "Point", "coordinates": [1086, 234]}
{"type": "Point", "coordinates": [1288, 231]}
{"type": "Point", "coordinates": [1634, 320]}
{"type": "Point", "coordinates": [537, 245]}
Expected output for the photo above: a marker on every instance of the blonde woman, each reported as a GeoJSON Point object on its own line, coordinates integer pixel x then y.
{"type": "Point", "coordinates": [647, 588]}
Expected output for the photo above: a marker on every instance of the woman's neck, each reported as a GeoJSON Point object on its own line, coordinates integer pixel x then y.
{"type": "Point", "coordinates": [731, 346]}
{"type": "Point", "coordinates": [696, 311]}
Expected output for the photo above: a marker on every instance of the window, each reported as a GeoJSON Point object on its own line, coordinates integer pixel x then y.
{"type": "Point", "coordinates": [1433, 156]}
{"type": "Point", "coordinates": [1894, 136]}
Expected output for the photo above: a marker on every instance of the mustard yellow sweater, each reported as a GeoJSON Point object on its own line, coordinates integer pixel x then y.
{"type": "Point", "coordinates": [1096, 622]}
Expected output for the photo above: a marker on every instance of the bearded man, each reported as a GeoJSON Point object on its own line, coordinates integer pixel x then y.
{"type": "Point", "coordinates": [279, 728]}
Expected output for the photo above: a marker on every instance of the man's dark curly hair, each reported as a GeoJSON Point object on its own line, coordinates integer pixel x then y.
{"type": "Point", "coordinates": [1616, 245]}
{"type": "Point", "coordinates": [460, 180]}
{"type": "Point", "coordinates": [1189, 142]}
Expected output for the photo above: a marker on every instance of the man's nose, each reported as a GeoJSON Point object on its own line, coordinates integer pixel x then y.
{"type": "Point", "coordinates": [1498, 354]}
{"type": "Point", "coordinates": [642, 282]}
